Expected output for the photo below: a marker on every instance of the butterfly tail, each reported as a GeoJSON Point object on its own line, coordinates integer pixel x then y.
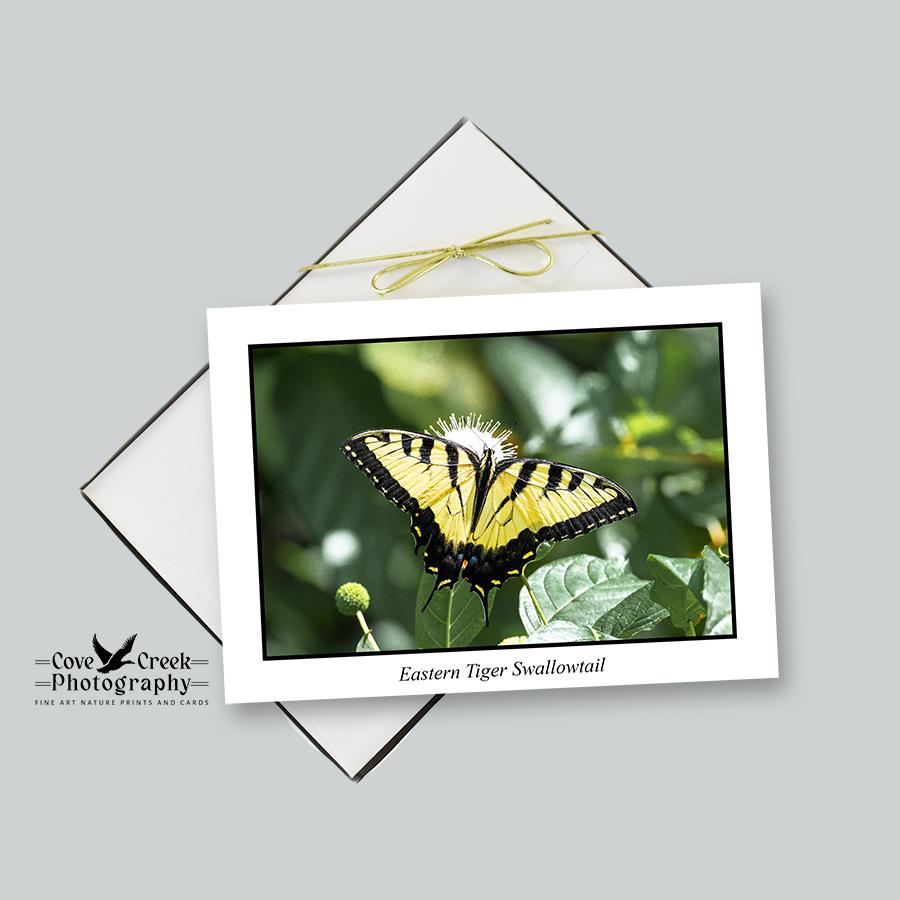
{"type": "Point", "coordinates": [487, 615]}
{"type": "Point", "coordinates": [482, 595]}
{"type": "Point", "coordinates": [484, 604]}
{"type": "Point", "coordinates": [431, 595]}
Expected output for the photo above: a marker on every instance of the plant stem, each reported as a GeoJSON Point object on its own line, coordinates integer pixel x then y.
{"type": "Point", "coordinates": [367, 632]}
{"type": "Point", "coordinates": [537, 605]}
{"type": "Point", "coordinates": [689, 629]}
{"type": "Point", "coordinates": [449, 614]}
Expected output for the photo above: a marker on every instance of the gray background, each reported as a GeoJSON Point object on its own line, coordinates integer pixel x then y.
{"type": "Point", "coordinates": [162, 158]}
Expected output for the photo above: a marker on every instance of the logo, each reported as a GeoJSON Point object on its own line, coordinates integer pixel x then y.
{"type": "Point", "coordinates": [113, 661]}
{"type": "Point", "coordinates": [93, 679]}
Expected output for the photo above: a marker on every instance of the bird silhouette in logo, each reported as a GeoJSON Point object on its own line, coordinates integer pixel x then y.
{"type": "Point", "coordinates": [113, 661]}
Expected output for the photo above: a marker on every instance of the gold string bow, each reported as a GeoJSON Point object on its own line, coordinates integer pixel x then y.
{"type": "Point", "coordinates": [421, 262]}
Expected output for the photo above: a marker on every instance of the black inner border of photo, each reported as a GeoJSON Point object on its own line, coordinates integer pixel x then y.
{"type": "Point", "coordinates": [442, 337]}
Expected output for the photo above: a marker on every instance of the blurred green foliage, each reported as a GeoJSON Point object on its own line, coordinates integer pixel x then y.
{"type": "Point", "coordinates": [641, 407]}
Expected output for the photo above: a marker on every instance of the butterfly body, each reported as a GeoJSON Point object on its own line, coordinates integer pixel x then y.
{"type": "Point", "coordinates": [478, 510]}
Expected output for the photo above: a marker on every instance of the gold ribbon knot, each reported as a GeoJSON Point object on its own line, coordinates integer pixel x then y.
{"type": "Point", "coordinates": [417, 263]}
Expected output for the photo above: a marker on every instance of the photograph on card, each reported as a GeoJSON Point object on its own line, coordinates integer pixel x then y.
{"type": "Point", "coordinates": [491, 491]}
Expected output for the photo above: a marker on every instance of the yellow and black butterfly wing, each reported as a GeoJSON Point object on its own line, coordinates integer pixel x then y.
{"type": "Point", "coordinates": [535, 500]}
{"type": "Point", "coordinates": [431, 479]}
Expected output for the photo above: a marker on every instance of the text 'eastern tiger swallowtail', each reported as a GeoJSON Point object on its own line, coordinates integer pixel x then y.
{"type": "Point", "coordinates": [477, 509]}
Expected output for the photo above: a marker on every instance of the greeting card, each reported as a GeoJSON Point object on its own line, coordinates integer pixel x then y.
{"type": "Point", "coordinates": [536, 491]}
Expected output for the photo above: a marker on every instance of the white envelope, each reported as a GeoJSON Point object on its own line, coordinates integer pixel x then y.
{"type": "Point", "coordinates": [157, 491]}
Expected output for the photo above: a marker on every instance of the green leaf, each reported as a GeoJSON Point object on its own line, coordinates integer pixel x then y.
{"type": "Point", "coordinates": [454, 618]}
{"type": "Point", "coordinates": [561, 632]}
{"type": "Point", "coordinates": [636, 613]}
{"type": "Point", "coordinates": [716, 594]}
{"type": "Point", "coordinates": [542, 549]}
{"type": "Point", "coordinates": [587, 591]}
{"type": "Point", "coordinates": [678, 587]}
{"type": "Point", "coordinates": [560, 583]}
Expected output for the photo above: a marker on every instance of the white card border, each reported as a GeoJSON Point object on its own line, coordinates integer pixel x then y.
{"type": "Point", "coordinates": [752, 653]}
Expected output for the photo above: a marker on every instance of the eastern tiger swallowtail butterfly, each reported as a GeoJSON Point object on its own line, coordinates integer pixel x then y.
{"type": "Point", "coordinates": [478, 510]}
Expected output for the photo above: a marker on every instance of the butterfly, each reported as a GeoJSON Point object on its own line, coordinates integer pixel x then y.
{"type": "Point", "coordinates": [480, 511]}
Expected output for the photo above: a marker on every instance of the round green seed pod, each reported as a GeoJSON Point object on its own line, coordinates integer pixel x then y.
{"type": "Point", "coordinates": [351, 598]}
